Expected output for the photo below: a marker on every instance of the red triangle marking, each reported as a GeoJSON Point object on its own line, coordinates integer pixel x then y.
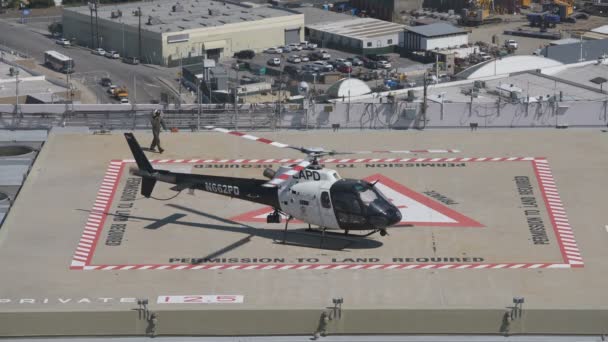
{"type": "Point", "coordinates": [418, 204]}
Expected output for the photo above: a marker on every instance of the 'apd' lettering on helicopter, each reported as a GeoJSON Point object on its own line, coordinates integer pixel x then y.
{"type": "Point", "coordinates": [308, 175]}
{"type": "Point", "coordinates": [222, 189]}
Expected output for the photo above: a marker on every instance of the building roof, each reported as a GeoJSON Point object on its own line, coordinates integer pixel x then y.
{"type": "Point", "coordinates": [348, 87]}
{"type": "Point", "coordinates": [179, 15]}
{"type": "Point", "coordinates": [571, 53]}
{"type": "Point", "coordinates": [313, 15]}
{"type": "Point", "coordinates": [601, 29]}
{"type": "Point", "coordinates": [359, 28]}
{"type": "Point", "coordinates": [437, 29]}
{"type": "Point", "coordinates": [508, 65]}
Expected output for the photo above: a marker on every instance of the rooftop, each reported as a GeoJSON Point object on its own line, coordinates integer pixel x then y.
{"type": "Point", "coordinates": [359, 28]}
{"type": "Point", "coordinates": [437, 29]}
{"type": "Point", "coordinates": [36, 86]}
{"type": "Point", "coordinates": [170, 16]}
{"type": "Point", "coordinates": [313, 15]}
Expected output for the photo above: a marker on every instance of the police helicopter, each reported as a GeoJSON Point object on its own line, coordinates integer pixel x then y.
{"type": "Point", "coordinates": [305, 191]}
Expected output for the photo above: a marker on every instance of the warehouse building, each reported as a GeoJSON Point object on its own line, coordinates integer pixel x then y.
{"type": "Point", "coordinates": [357, 35]}
{"type": "Point", "coordinates": [390, 10]}
{"type": "Point", "coordinates": [433, 37]}
{"type": "Point", "coordinates": [165, 32]}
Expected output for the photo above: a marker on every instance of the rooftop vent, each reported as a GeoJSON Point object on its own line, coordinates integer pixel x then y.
{"type": "Point", "coordinates": [177, 7]}
{"type": "Point", "coordinates": [154, 20]}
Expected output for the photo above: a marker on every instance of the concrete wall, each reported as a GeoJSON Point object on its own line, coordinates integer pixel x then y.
{"type": "Point", "coordinates": [444, 42]}
{"type": "Point", "coordinates": [304, 322]}
{"type": "Point", "coordinates": [257, 36]}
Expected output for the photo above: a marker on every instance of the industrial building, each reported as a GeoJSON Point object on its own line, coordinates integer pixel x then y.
{"type": "Point", "coordinates": [357, 35]}
{"type": "Point", "coordinates": [390, 10]}
{"type": "Point", "coordinates": [433, 37]}
{"type": "Point", "coordinates": [167, 32]}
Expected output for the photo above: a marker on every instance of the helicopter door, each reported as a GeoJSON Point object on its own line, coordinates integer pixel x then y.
{"type": "Point", "coordinates": [328, 217]}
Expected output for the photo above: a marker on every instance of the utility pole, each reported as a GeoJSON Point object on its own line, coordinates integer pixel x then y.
{"type": "Point", "coordinates": [16, 90]}
{"type": "Point", "coordinates": [280, 88]}
{"type": "Point", "coordinates": [92, 35]}
{"type": "Point", "coordinates": [139, 34]}
{"type": "Point", "coordinates": [96, 23]}
{"type": "Point", "coordinates": [424, 94]}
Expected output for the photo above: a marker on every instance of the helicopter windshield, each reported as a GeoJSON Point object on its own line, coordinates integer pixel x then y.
{"type": "Point", "coordinates": [369, 194]}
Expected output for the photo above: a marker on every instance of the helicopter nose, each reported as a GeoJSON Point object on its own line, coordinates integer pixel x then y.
{"type": "Point", "coordinates": [394, 217]}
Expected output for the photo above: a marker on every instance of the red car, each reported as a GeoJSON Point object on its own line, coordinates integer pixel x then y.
{"type": "Point", "coordinates": [345, 69]}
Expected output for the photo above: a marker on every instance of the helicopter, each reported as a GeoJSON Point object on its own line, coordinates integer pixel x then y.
{"type": "Point", "coordinates": [305, 191]}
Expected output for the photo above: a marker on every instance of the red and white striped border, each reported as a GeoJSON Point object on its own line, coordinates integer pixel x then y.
{"type": "Point", "coordinates": [563, 231]}
{"type": "Point", "coordinates": [97, 216]}
{"type": "Point", "coordinates": [557, 214]}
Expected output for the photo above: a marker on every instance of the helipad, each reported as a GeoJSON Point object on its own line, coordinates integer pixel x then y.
{"type": "Point", "coordinates": [513, 213]}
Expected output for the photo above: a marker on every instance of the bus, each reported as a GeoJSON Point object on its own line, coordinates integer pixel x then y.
{"type": "Point", "coordinates": [58, 61]}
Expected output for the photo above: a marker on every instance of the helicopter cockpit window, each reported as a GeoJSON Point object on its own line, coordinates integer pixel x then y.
{"type": "Point", "coordinates": [325, 202]}
{"type": "Point", "coordinates": [348, 202]}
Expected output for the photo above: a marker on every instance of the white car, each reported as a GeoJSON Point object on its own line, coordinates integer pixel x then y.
{"type": "Point", "coordinates": [325, 55]}
{"type": "Point", "coordinates": [384, 64]}
{"type": "Point", "coordinates": [274, 61]}
{"type": "Point", "coordinates": [111, 89]}
{"type": "Point", "coordinates": [319, 63]}
{"type": "Point", "coordinates": [511, 43]}
{"type": "Point", "coordinates": [342, 61]}
{"type": "Point", "coordinates": [112, 54]}
{"type": "Point", "coordinates": [63, 42]}
{"type": "Point", "coordinates": [308, 46]}
{"type": "Point", "coordinates": [124, 101]}
{"type": "Point", "coordinates": [294, 59]}
{"type": "Point", "coordinates": [484, 56]}
{"type": "Point", "coordinates": [295, 47]}
{"type": "Point", "coordinates": [274, 50]}
{"type": "Point", "coordinates": [305, 58]}
{"type": "Point", "coordinates": [99, 51]}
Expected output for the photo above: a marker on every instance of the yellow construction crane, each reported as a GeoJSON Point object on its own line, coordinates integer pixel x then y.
{"type": "Point", "coordinates": [477, 12]}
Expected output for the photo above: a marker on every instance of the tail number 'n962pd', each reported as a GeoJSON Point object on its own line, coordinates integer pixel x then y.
{"type": "Point", "coordinates": [222, 188]}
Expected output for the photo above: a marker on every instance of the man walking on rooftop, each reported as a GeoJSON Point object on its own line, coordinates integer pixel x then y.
{"type": "Point", "coordinates": [157, 122]}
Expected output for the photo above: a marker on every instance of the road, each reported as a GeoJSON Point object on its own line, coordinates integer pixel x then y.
{"type": "Point", "coordinates": [90, 68]}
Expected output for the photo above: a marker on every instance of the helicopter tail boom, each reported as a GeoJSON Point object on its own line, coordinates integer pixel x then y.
{"type": "Point", "coordinates": [145, 167]}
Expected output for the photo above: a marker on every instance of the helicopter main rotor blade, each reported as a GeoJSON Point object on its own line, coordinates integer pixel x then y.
{"type": "Point", "coordinates": [276, 181]}
{"type": "Point", "coordinates": [333, 153]}
{"type": "Point", "coordinates": [252, 137]}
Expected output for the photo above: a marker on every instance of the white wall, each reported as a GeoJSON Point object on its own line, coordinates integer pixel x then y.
{"type": "Point", "coordinates": [444, 42]}
{"type": "Point", "coordinates": [383, 41]}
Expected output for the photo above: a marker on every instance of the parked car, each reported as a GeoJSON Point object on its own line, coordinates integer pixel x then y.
{"type": "Point", "coordinates": [328, 68]}
{"type": "Point", "coordinates": [314, 56]}
{"type": "Point", "coordinates": [384, 64]}
{"type": "Point", "coordinates": [355, 61]}
{"type": "Point", "coordinates": [320, 63]}
{"type": "Point", "coordinates": [291, 70]}
{"type": "Point", "coordinates": [285, 48]}
{"type": "Point", "coordinates": [105, 82]}
{"type": "Point", "coordinates": [304, 58]}
{"type": "Point", "coordinates": [250, 80]}
{"type": "Point", "coordinates": [295, 47]}
{"type": "Point", "coordinates": [341, 61]}
{"type": "Point", "coordinates": [325, 55]}
{"type": "Point", "coordinates": [112, 54]}
{"type": "Point", "coordinates": [378, 58]}
{"type": "Point", "coordinates": [274, 50]}
{"type": "Point", "coordinates": [294, 59]}
{"type": "Point", "coordinates": [245, 54]}
{"type": "Point", "coordinates": [370, 64]}
{"type": "Point", "coordinates": [99, 51]}
{"type": "Point", "coordinates": [131, 60]}
{"type": "Point", "coordinates": [311, 68]}
{"type": "Point", "coordinates": [484, 56]}
{"type": "Point", "coordinates": [124, 101]}
{"type": "Point", "coordinates": [63, 42]}
{"type": "Point", "coordinates": [274, 61]}
{"type": "Point", "coordinates": [345, 69]}
{"type": "Point", "coordinates": [511, 44]}
{"type": "Point", "coordinates": [309, 46]}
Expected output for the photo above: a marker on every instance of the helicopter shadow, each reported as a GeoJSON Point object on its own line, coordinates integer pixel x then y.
{"type": "Point", "coordinates": [298, 237]}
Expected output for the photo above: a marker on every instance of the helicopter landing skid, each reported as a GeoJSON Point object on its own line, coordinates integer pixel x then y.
{"type": "Point", "coordinates": [347, 233]}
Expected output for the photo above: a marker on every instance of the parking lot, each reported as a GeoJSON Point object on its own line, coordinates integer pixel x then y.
{"type": "Point", "coordinates": [312, 71]}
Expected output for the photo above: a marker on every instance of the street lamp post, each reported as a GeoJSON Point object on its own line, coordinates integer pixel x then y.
{"type": "Point", "coordinates": [16, 72]}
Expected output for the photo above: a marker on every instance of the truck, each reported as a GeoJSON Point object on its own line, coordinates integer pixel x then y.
{"type": "Point", "coordinates": [511, 44]}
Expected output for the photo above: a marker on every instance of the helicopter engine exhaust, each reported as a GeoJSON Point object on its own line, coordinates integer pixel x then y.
{"type": "Point", "coordinates": [269, 173]}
